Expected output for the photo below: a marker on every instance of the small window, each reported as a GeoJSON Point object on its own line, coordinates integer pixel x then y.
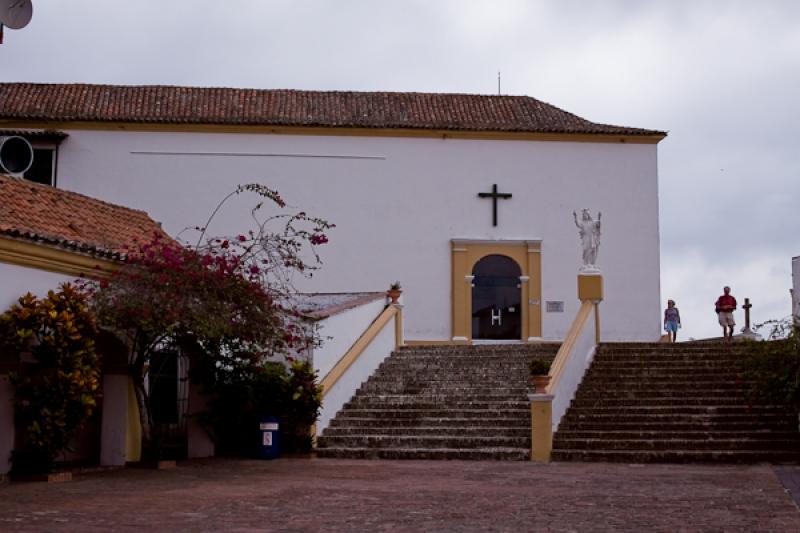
{"type": "Point", "coordinates": [43, 167]}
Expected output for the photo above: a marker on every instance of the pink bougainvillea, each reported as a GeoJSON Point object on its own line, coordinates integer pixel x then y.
{"type": "Point", "coordinates": [227, 296]}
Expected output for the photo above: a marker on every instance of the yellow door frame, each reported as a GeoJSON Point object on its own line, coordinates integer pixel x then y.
{"type": "Point", "coordinates": [528, 255]}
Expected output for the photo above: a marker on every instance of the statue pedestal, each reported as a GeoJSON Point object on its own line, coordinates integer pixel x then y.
{"type": "Point", "coordinates": [590, 286]}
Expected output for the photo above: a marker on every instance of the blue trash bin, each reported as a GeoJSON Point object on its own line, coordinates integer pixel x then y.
{"type": "Point", "coordinates": [269, 446]}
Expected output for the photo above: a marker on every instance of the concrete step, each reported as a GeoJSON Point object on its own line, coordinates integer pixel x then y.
{"type": "Point", "coordinates": [608, 351]}
{"type": "Point", "coordinates": [457, 454]}
{"type": "Point", "coordinates": [437, 430]}
{"type": "Point", "coordinates": [659, 401]}
{"type": "Point", "coordinates": [346, 419]}
{"type": "Point", "coordinates": [678, 456]}
{"type": "Point", "coordinates": [422, 442]}
{"type": "Point", "coordinates": [665, 443]}
{"type": "Point", "coordinates": [680, 423]}
{"type": "Point", "coordinates": [666, 373]}
{"type": "Point", "coordinates": [438, 412]}
{"type": "Point", "coordinates": [683, 410]}
{"type": "Point", "coordinates": [443, 371]}
{"type": "Point", "coordinates": [661, 387]}
{"type": "Point", "coordinates": [455, 390]}
{"type": "Point", "coordinates": [708, 434]}
{"type": "Point", "coordinates": [422, 403]}
{"type": "Point", "coordinates": [445, 398]}
{"type": "Point", "coordinates": [449, 380]}
{"type": "Point", "coordinates": [667, 348]}
{"type": "Point", "coordinates": [709, 420]}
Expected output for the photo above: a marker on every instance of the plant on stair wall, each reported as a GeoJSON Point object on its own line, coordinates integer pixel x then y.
{"type": "Point", "coordinates": [774, 366]}
{"type": "Point", "coordinates": [226, 298]}
{"type": "Point", "coordinates": [539, 369]}
{"type": "Point", "coordinates": [539, 366]}
{"type": "Point", "coordinates": [56, 384]}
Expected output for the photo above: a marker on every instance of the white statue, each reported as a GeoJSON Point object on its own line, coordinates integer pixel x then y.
{"type": "Point", "coordinates": [589, 231]}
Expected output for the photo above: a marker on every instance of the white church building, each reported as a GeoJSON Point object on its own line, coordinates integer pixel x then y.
{"type": "Point", "coordinates": [467, 200]}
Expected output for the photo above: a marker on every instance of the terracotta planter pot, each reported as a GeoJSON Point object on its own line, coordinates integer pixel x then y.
{"type": "Point", "coordinates": [394, 294]}
{"type": "Point", "coordinates": [539, 383]}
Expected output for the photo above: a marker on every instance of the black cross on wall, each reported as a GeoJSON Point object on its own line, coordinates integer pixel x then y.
{"type": "Point", "coordinates": [494, 195]}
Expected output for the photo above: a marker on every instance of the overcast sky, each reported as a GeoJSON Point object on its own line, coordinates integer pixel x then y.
{"type": "Point", "coordinates": [722, 77]}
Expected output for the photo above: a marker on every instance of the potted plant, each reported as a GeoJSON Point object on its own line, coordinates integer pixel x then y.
{"type": "Point", "coordinates": [539, 377]}
{"type": "Point", "coordinates": [394, 292]}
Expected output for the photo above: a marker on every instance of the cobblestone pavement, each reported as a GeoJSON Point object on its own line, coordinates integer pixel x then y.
{"type": "Point", "coordinates": [350, 495]}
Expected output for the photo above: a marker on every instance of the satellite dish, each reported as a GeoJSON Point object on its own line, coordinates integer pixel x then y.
{"type": "Point", "coordinates": [15, 14]}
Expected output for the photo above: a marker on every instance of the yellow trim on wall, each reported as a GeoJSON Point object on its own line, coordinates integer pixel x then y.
{"type": "Point", "coordinates": [333, 130]}
{"type": "Point", "coordinates": [45, 257]}
{"type": "Point", "coordinates": [466, 253]}
{"type": "Point", "coordinates": [133, 433]}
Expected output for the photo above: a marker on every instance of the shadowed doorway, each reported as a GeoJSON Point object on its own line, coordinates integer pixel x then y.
{"type": "Point", "coordinates": [496, 299]}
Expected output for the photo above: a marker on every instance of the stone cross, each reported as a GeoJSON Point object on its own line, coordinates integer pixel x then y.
{"type": "Point", "coordinates": [747, 305]}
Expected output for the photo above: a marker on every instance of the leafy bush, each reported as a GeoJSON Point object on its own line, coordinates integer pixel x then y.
{"type": "Point", "coordinates": [774, 366]}
{"type": "Point", "coordinates": [58, 393]}
{"type": "Point", "coordinates": [303, 398]}
{"type": "Point", "coordinates": [539, 366]}
{"type": "Point", "coordinates": [241, 396]}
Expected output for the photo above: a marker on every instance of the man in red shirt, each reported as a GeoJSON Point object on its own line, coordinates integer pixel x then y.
{"type": "Point", "coordinates": [725, 306]}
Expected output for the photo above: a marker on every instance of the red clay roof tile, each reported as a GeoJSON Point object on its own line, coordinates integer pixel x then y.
{"type": "Point", "coordinates": [41, 213]}
{"type": "Point", "coordinates": [282, 107]}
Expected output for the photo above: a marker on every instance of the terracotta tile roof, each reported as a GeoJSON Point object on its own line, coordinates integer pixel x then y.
{"type": "Point", "coordinates": [319, 305]}
{"type": "Point", "coordinates": [281, 107]}
{"type": "Point", "coordinates": [69, 220]}
{"type": "Point", "coordinates": [45, 135]}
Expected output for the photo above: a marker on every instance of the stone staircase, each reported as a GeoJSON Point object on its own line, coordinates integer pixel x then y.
{"type": "Point", "coordinates": [440, 402]}
{"type": "Point", "coordinates": [673, 403]}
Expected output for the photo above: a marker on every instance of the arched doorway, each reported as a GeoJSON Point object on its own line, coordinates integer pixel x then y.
{"type": "Point", "coordinates": [496, 299]}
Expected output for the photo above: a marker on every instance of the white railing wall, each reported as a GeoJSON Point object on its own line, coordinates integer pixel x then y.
{"type": "Point", "coordinates": [340, 331]}
{"type": "Point", "coordinates": [359, 362]}
{"type": "Point", "coordinates": [574, 368]}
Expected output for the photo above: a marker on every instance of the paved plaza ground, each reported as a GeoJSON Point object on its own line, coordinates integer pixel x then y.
{"type": "Point", "coordinates": [349, 495]}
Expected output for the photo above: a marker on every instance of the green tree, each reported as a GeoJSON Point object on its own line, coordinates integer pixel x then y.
{"type": "Point", "coordinates": [57, 392]}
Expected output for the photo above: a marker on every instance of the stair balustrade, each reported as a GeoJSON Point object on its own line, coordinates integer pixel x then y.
{"type": "Point", "coordinates": [568, 368]}
{"type": "Point", "coordinates": [365, 355]}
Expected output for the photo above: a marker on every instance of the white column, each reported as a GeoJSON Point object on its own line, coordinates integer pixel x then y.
{"type": "Point", "coordinates": [115, 420]}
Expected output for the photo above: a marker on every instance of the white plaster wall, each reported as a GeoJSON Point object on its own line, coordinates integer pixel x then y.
{"type": "Point", "coordinates": [379, 349]}
{"type": "Point", "coordinates": [15, 281]}
{"type": "Point", "coordinates": [339, 332]}
{"type": "Point", "coordinates": [397, 202]}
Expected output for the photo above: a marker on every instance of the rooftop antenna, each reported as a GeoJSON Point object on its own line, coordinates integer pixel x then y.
{"type": "Point", "coordinates": [498, 83]}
